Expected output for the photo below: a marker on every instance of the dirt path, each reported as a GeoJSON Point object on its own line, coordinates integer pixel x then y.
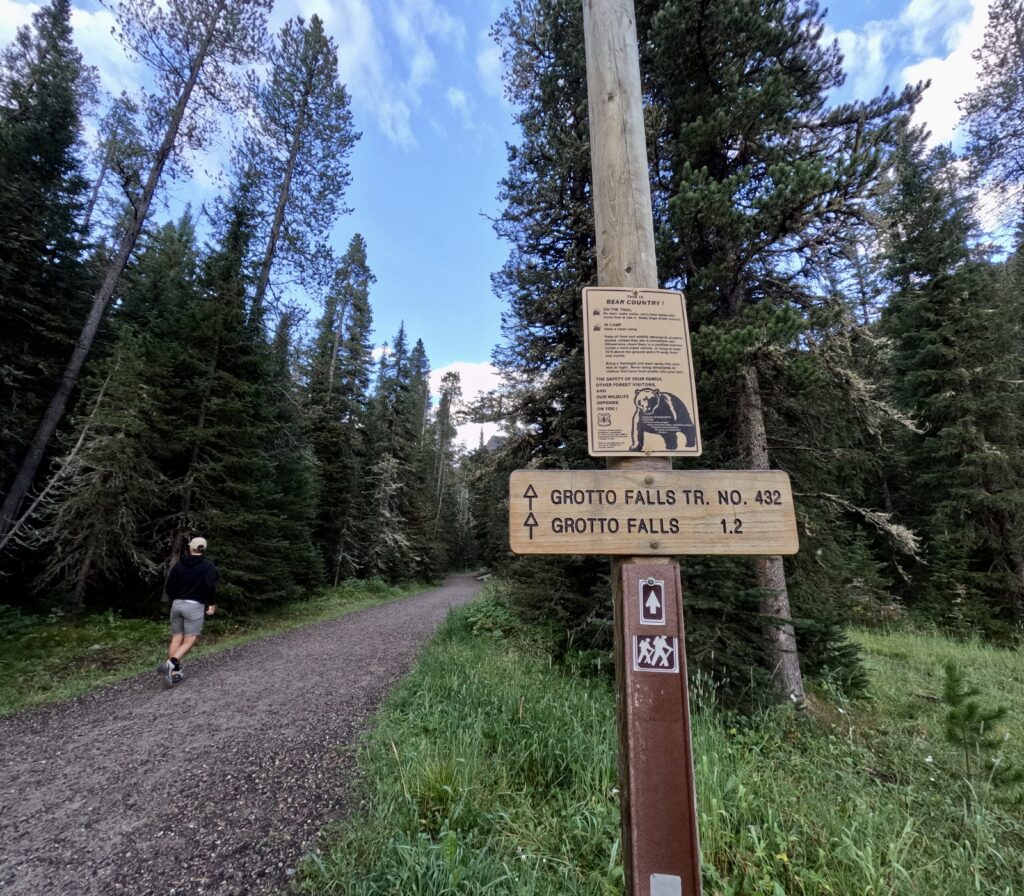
{"type": "Point", "coordinates": [216, 787]}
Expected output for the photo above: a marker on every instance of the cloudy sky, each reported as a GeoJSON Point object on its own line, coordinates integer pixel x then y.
{"type": "Point", "coordinates": [425, 82]}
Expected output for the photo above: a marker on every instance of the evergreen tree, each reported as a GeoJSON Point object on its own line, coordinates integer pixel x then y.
{"type": "Point", "coordinates": [42, 280]}
{"type": "Point", "coordinates": [337, 383]}
{"type": "Point", "coordinates": [95, 527]}
{"type": "Point", "coordinates": [192, 47]}
{"type": "Point", "coordinates": [300, 147]}
{"type": "Point", "coordinates": [120, 159]}
{"type": "Point", "coordinates": [994, 111]}
{"type": "Point", "coordinates": [548, 221]}
{"type": "Point", "coordinates": [957, 370]}
{"type": "Point", "coordinates": [449, 510]}
{"type": "Point", "coordinates": [761, 181]}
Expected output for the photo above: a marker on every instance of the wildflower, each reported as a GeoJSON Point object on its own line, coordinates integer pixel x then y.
{"type": "Point", "coordinates": [928, 759]}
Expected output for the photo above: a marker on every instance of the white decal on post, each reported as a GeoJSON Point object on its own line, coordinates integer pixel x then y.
{"type": "Point", "coordinates": [655, 653]}
{"type": "Point", "coordinates": [666, 885]}
{"type": "Point", "coordinates": [652, 602]}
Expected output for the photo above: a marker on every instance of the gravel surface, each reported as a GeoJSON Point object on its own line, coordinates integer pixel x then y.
{"type": "Point", "coordinates": [218, 786]}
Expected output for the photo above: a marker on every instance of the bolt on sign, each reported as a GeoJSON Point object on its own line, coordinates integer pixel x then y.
{"type": "Point", "coordinates": [641, 396]}
{"type": "Point", "coordinates": [638, 512]}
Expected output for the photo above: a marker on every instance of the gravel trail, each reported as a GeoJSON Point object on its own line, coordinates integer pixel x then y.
{"type": "Point", "coordinates": [215, 787]}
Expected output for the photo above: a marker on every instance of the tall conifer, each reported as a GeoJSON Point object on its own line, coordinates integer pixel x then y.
{"type": "Point", "coordinates": [42, 281]}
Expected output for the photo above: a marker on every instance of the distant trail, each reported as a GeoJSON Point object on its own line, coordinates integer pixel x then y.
{"type": "Point", "coordinates": [215, 787]}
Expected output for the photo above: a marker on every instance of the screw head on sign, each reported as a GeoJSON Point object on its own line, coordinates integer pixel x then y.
{"type": "Point", "coordinates": [654, 545]}
{"type": "Point", "coordinates": [650, 579]}
{"type": "Point", "coordinates": [648, 480]}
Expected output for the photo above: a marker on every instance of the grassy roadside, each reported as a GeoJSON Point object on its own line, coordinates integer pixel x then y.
{"type": "Point", "coordinates": [491, 770]}
{"type": "Point", "coordinates": [43, 659]}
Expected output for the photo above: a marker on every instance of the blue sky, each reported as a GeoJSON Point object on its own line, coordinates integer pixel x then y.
{"type": "Point", "coordinates": [425, 82]}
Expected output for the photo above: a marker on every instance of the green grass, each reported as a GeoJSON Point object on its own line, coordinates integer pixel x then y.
{"type": "Point", "coordinates": [492, 770]}
{"type": "Point", "coordinates": [43, 659]}
{"type": "Point", "coordinates": [489, 772]}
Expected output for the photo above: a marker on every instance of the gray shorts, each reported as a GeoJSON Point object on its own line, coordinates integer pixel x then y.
{"type": "Point", "coordinates": [187, 617]}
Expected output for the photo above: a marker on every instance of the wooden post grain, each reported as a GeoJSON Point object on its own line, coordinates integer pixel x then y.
{"type": "Point", "coordinates": [626, 258]}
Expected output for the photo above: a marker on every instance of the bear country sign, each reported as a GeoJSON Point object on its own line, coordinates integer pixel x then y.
{"type": "Point", "coordinates": [641, 397]}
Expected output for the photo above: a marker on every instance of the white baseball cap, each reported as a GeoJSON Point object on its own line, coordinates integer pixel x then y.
{"type": "Point", "coordinates": [197, 544]}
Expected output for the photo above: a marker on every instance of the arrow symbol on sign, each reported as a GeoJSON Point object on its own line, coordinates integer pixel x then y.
{"type": "Point", "coordinates": [530, 494]}
{"type": "Point", "coordinates": [653, 604]}
{"type": "Point", "coordinates": [531, 524]}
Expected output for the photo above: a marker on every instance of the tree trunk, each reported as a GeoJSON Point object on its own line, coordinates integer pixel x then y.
{"type": "Point", "coordinates": [54, 413]}
{"type": "Point", "coordinates": [780, 639]}
{"type": "Point", "coordinates": [256, 314]}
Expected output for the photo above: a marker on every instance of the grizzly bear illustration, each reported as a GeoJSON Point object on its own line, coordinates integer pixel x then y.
{"type": "Point", "coordinates": [663, 414]}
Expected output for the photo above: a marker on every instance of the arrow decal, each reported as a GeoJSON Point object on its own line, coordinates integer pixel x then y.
{"type": "Point", "coordinates": [531, 524]}
{"type": "Point", "coordinates": [653, 604]}
{"type": "Point", "coordinates": [530, 494]}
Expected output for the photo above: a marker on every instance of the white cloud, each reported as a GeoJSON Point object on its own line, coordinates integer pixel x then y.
{"type": "Point", "coordinates": [864, 57]}
{"type": "Point", "coordinates": [476, 378]}
{"type": "Point", "coordinates": [951, 75]}
{"type": "Point", "coordinates": [12, 17]}
{"type": "Point", "coordinates": [489, 67]}
{"type": "Point", "coordinates": [929, 40]}
{"type": "Point", "coordinates": [100, 48]}
{"type": "Point", "coordinates": [459, 101]}
{"type": "Point", "coordinates": [386, 55]}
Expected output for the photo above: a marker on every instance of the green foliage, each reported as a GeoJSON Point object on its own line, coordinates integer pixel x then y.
{"type": "Point", "coordinates": [480, 779]}
{"type": "Point", "coordinates": [955, 367]}
{"type": "Point", "coordinates": [974, 729]}
{"type": "Point", "coordinates": [996, 104]}
{"type": "Point", "coordinates": [297, 152]}
{"type": "Point", "coordinates": [43, 281]}
{"type": "Point", "coordinates": [492, 771]}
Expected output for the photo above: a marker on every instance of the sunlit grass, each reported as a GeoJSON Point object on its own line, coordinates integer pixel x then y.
{"type": "Point", "coordinates": [492, 770]}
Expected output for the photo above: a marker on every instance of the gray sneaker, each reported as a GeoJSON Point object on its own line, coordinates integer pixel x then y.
{"type": "Point", "coordinates": [177, 677]}
{"type": "Point", "coordinates": [166, 670]}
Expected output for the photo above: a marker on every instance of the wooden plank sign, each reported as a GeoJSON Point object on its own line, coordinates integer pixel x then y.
{"type": "Point", "coordinates": [670, 512]}
{"type": "Point", "coordinates": [641, 397]}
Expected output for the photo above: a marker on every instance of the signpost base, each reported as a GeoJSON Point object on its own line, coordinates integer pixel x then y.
{"type": "Point", "coordinates": [662, 855]}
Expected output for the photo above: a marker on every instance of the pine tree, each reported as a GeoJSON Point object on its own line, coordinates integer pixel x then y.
{"type": "Point", "coordinates": [300, 147]}
{"type": "Point", "coordinates": [95, 529]}
{"type": "Point", "coordinates": [42, 280]}
{"type": "Point", "coordinates": [192, 47]}
{"type": "Point", "coordinates": [759, 181]}
{"type": "Point", "coordinates": [994, 111]}
{"type": "Point", "coordinates": [548, 221]}
{"type": "Point", "coordinates": [957, 370]}
{"type": "Point", "coordinates": [399, 522]}
{"type": "Point", "coordinates": [337, 383]}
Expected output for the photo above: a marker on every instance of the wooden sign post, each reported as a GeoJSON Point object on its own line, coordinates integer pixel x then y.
{"type": "Point", "coordinates": [656, 864]}
{"type": "Point", "coordinates": [641, 406]}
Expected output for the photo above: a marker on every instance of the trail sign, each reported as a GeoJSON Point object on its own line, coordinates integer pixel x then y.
{"type": "Point", "coordinates": [633, 513]}
{"type": "Point", "coordinates": [641, 397]}
{"type": "Point", "coordinates": [652, 602]}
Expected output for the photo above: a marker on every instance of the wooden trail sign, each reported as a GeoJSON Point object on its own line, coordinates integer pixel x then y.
{"type": "Point", "coordinates": [633, 513]}
{"type": "Point", "coordinates": [641, 397]}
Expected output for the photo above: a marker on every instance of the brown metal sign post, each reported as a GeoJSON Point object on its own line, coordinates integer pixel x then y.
{"type": "Point", "coordinates": [660, 801]}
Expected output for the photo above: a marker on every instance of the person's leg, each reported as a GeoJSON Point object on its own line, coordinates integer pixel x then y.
{"type": "Point", "coordinates": [173, 651]}
{"type": "Point", "coordinates": [185, 643]}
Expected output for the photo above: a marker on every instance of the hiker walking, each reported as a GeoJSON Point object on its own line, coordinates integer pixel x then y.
{"type": "Point", "coordinates": [192, 587]}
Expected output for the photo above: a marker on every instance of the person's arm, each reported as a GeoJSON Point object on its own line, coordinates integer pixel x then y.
{"type": "Point", "coordinates": [211, 606]}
